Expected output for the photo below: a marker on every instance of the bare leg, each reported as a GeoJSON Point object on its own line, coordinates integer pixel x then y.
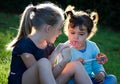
{"type": "Point", "coordinates": [75, 69]}
{"type": "Point", "coordinates": [39, 73]}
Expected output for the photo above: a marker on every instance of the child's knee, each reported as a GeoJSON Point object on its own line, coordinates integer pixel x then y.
{"type": "Point", "coordinates": [77, 65]}
{"type": "Point", "coordinates": [111, 78]}
{"type": "Point", "coordinates": [44, 62]}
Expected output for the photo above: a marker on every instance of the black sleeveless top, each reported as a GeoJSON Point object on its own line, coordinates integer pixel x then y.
{"type": "Point", "coordinates": [17, 67]}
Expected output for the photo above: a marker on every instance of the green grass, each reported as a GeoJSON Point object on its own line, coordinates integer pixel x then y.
{"type": "Point", "coordinates": [109, 43]}
{"type": "Point", "coordinates": [107, 40]}
{"type": "Point", "coordinates": [8, 25]}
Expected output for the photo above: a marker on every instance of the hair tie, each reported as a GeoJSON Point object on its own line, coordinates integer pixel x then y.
{"type": "Point", "coordinates": [32, 13]}
{"type": "Point", "coordinates": [34, 9]}
{"type": "Point", "coordinates": [69, 13]}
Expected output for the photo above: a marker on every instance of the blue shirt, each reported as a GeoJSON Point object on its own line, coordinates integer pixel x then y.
{"type": "Point", "coordinates": [88, 53]}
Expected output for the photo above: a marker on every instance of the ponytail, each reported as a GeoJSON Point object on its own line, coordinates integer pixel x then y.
{"type": "Point", "coordinates": [25, 26]}
{"type": "Point", "coordinates": [25, 23]}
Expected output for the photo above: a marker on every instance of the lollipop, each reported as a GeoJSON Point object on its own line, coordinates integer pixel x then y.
{"type": "Point", "coordinates": [100, 58]}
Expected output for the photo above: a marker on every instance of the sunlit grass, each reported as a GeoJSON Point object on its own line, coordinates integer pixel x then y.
{"type": "Point", "coordinates": [8, 25]}
{"type": "Point", "coordinates": [107, 40]}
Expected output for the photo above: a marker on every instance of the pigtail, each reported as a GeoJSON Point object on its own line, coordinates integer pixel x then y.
{"type": "Point", "coordinates": [69, 10]}
{"type": "Point", "coordinates": [69, 13]}
{"type": "Point", "coordinates": [25, 25]}
{"type": "Point", "coordinates": [94, 17]}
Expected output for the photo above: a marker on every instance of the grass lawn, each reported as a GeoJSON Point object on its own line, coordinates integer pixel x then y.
{"type": "Point", "coordinates": [107, 40]}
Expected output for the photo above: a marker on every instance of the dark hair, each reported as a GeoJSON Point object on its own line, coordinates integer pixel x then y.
{"type": "Point", "coordinates": [81, 18]}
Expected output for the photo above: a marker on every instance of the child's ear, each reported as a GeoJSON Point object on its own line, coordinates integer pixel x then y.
{"type": "Point", "coordinates": [48, 28]}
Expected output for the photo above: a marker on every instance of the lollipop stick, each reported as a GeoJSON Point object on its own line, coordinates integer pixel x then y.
{"type": "Point", "coordinates": [90, 60]}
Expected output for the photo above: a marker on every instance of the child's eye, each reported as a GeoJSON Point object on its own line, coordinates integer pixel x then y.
{"type": "Point", "coordinates": [81, 34]}
{"type": "Point", "coordinates": [72, 32]}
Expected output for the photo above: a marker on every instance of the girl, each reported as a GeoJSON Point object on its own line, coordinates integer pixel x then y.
{"type": "Point", "coordinates": [80, 27]}
{"type": "Point", "coordinates": [40, 25]}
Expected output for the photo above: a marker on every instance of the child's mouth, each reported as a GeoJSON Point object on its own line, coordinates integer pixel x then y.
{"type": "Point", "coordinates": [76, 44]}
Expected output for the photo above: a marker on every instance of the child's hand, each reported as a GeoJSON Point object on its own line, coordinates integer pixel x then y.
{"type": "Point", "coordinates": [99, 77]}
{"type": "Point", "coordinates": [81, 60]}
{"type": "Point", "coordinates": [101, 58]}
{"type": "Point", "coordinates": [56, 52]}
{"type": "Point", "coordinates": [60, 47]}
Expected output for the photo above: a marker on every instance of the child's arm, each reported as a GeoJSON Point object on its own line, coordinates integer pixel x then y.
{"type": "Point", "coordinates": [98, 67]}
{"type": "Point", "coordinates": [58, 68]}
{"type": "Point", "coordinates": [53, 55]}
{"type": "Point", "coordinates": [65, 59]}
{"type": "Point", "coordinates": [100, 58]}
{"type": "Point", "coordinates": [57, 50]}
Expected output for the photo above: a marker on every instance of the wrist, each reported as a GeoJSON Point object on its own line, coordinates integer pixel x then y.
{"type": "Point", "coordinates": [64, 62]}
{"type": "Point", "coordinates": [103, 73]}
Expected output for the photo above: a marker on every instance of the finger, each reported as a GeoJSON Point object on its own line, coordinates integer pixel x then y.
{"type": "Point", "coordinates": [100, 80]}
{"type": "Point", "coordinates": [81, 60]}
{"type": "Point", "coordinates": [99, 77]}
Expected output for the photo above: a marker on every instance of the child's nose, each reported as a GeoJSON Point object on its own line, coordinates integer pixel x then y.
{"type": "Point", "coordinates": [76, 36]}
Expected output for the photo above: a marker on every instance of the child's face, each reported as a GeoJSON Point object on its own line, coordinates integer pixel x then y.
{"type": "Point", "coordinates": [77, 37]}
{"type": "Point", "coordinates": [55, 32]}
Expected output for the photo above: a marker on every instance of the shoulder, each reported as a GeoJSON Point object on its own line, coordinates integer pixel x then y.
{"type": "Point", "coordinates": [25, 42]}
{"type": "Point", "coordinates": [91, 43]}
{"type": "Point", "coordinates": [92, 46]}
{"type": "Point", "coordinates": [24, 45]}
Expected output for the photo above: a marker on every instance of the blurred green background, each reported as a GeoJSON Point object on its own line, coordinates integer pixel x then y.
{"type": "Point", "coordinates": [109, 10]}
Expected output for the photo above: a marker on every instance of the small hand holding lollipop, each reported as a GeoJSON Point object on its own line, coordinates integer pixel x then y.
{"type": "Point", "coordinates": [100, 58]}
